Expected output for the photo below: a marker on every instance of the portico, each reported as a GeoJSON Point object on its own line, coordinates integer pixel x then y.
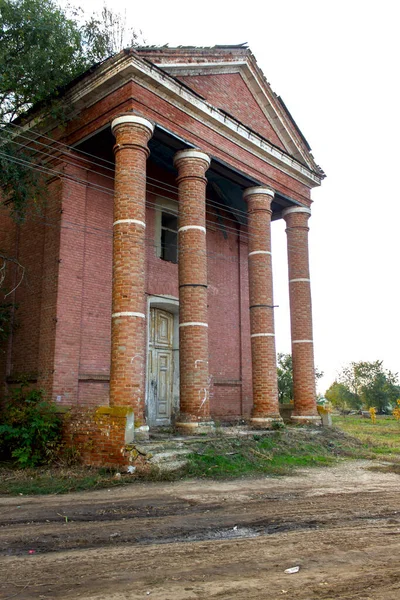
{"type": "Point", "coordinates": [129, 347]}
{"type": "Point", "coordinates": [155, 303]}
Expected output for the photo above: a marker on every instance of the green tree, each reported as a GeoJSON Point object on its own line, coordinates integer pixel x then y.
{"type": "Point", "coordinates": [342, 398]}
{"type": "Point", "coordinates": [285, 377]}
{"type": "Point", "coordinates": [372, 384]}
{"type": "Point", "coordinates": [42, 48]}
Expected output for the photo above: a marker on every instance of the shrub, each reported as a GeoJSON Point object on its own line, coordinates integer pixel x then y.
{"type": "Point", "coordinates": [30, 430]}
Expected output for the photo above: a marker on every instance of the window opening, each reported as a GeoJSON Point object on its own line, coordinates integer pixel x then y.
{"type": "Point", "coordinates": [169, 237]}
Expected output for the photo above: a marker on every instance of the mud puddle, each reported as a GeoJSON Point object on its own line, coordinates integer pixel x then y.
{"type": "Point", "coordinates": [231, 533]}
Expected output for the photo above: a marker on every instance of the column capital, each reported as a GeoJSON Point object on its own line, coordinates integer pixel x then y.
{"type": "Point", "coordinates": [131, 119]}
{"type": "Point", "coordinates": [296, 209]}
{"type": "Point", "coordinates": [258, 189]}
{"type": "Point", "coordinates": [192, 153]}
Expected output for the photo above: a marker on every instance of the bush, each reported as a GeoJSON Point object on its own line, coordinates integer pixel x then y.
{"type": "Point", "coordinates": [31, 429]}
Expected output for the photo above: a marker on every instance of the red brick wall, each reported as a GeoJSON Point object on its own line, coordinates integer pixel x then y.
{"type": "Point", "coordinates": [8, 247]}
{"type": "Point", "coordinates": [72, 321]}
{"type": "Point", "coordinates": [95, 342]}
{"type": "Point", "coordinates": [230, 92]}
{"type": "Point", "coordinates": [224, 318]}
{"type": "Point", "coordinates": [228, 312]}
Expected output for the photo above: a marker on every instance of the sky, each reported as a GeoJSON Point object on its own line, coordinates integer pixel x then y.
{"type": "Point", "coordinates": [335, 64]}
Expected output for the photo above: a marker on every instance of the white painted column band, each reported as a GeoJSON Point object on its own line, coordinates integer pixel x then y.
{"type": "Point", "coordinates": [132, 119]}
{"type": "Point", "coordinates": [259, 252]}
{"type": "Point", "coordinates": [299, 279]}
{"type": "Point", "coordinates": [129, 221]}
{"type": "Point", "coordinates": [128, 314]}
{"type": "Point", "coordinates": [199, 227]}
{"type": "Point", "coordinates": [193, 323]}
{"type": "Point", "coordinates": [302, 341]}
{"type": "Point", "coordinates": [191, 153]}
{"type": "Point", "coordinates": [253, 335]}
{"type": "Point", "coordinates": [296, 209]}
{"type": "Point", "coordinates": [252, 191]}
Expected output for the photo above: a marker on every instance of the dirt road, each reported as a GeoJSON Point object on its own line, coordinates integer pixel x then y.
{"type": "Point", "coordinates": [203, 539]}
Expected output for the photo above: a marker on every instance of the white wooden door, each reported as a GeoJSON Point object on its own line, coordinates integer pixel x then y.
{"type": "Point", "coordinates": [160, 367]}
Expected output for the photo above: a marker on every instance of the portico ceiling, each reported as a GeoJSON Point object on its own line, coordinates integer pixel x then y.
{"type": "Point", "coordinates": [225, 184]}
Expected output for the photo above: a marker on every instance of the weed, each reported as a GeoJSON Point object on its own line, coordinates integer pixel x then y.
{"type": "Point", "coordinates": [31, 428]}
{"type": "Point", "coordinates": [381, 438]}
{"type": "Point", "coordinates": [277, 453]}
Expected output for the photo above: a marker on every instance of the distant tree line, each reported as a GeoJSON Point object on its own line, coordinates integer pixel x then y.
{"type": "Point", "coordinates": [358, 385]}
{"type": "Point", "coordinates": [365, 385]}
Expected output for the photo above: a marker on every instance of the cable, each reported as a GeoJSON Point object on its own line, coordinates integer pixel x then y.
{"type": "Point", "coordinates": [103, 189]}
{"type": "Point", "coordinates": [108, 191]}
{"type": "Point", "coordinates": [172, 190]}
{"type": "Point", "coordinates": [97, 158]}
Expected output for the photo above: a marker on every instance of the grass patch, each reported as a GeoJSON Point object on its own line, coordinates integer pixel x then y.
{"type": "Point", "coordinates": [381, 438]}
{"type": "Point", "coordinates": [270, 454]}
{"type": "Point", "coordinates": [55, 480]}
{"type": "Point", "coordinates": [276, 453]}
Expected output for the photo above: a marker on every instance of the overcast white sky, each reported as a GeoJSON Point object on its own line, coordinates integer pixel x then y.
{"type": "Point", "coordinates": [336, 65]}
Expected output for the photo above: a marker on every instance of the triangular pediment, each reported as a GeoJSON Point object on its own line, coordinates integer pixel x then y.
{"type": "Point", "coordinates": [229, 78]}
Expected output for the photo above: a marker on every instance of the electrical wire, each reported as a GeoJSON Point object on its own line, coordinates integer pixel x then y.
{"type": "Point", "coordinates": [164, 186]}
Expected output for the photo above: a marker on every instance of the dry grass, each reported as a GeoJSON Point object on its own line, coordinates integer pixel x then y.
{"type": "Point", "coordinates": [381, 438]}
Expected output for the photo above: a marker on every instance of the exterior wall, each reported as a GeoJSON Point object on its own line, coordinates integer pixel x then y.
{"type": "Point", "coordinates": [95, 340]}
{"type": "Point", "coordinates": [230, 92]}
{"type": "Point", "coordinates": [21, 357]}
{"type": "Point", "coordinates": [228, 308]}
{"type": "Point", "coordinates": [64, 304]}
{"type": "Point", "coordinates": [224, 320]}
{"type": "Point", "coordinates": [9, 247]}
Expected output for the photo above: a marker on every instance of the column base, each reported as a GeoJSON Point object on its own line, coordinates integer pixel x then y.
{"type": "Point", "coordinates": [306, 420]}
{"type": "Point", "coordinates": [141, 433]}
{"type": "Point", "coordinates": [265, 422]}
{"type": "Point", "coordinates": [194, 427]}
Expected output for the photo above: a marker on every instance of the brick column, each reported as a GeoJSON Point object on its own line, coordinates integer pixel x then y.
{"type": "Point", "coordinates": [265, 383]}
{"type": "Point", "coordinates": [305, 407]}
{"type": "Point", "coordinates": [128, 329]}
{"type": "Point", "coordinates": [193, 321]}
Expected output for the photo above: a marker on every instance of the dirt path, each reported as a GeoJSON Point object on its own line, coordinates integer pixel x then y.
{"type": "Point", "coordinates": [204, 539]}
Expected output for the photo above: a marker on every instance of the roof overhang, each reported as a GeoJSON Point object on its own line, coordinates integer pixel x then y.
{"type": "Point", "coordinates": [129, 66]}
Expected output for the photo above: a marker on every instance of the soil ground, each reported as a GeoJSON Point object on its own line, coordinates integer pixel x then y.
{"type": "Point", "coordinates": [207, 539]}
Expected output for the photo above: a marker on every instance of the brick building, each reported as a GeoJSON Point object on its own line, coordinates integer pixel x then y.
{"type": "Point", "coordinates": [147, 297]}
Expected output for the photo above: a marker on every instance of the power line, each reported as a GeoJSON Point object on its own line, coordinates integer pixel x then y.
{"type": "Point", "coordinates": [51, 171]}
{"type": "Point", "coordinates": [157, 183]}
{"type": "Point", "coordinates": [97, 158]}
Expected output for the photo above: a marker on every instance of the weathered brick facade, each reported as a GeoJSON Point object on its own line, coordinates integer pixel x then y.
{"type": "Point", "coordinates": [193, 313]}
{"type": "Point", "coordinates": [300, 313]}
{"type": "Point", "coordinates": [262, 332]}
{"type": "Point", "coordinates": [94, 263]}
{"type": "Point", "coordinates": [128, 318]}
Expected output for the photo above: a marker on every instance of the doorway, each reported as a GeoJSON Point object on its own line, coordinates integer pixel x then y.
{"type": "Point", "coordinates": [160, 367]}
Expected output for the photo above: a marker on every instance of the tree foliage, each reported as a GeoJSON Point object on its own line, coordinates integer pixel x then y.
{"type": "Point", "coordinates": [107, 33]}
{"type": "Point", "coordinates": [285, 377]}
{"type": "Point", "coordinates": [365, 384]}
{"type": "Point", "coordinates": [30, 429]}
{"type": "Point", "coordinates": [342, 398]}
{"type": "Point", "coordinates": [42, 48]}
